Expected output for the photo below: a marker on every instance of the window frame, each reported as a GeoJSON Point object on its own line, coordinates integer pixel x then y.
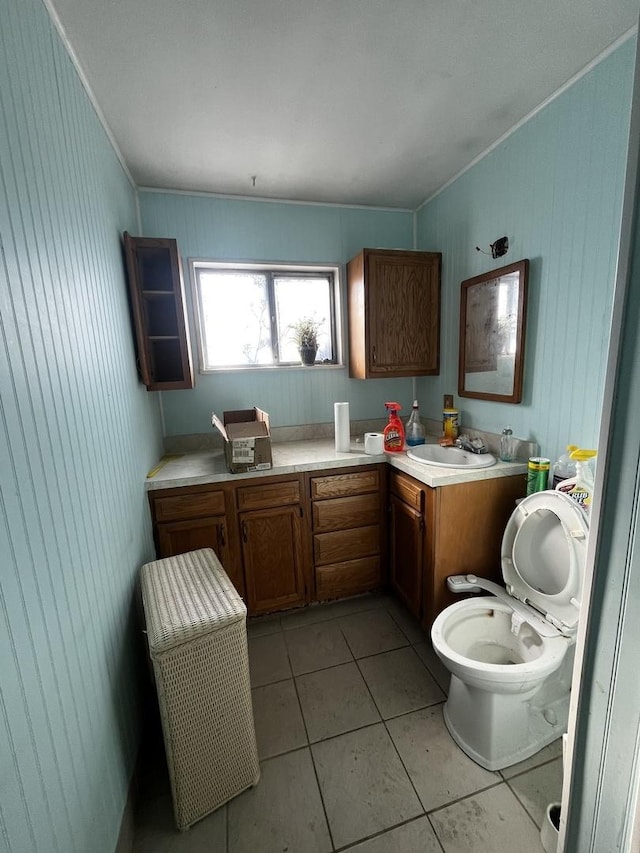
{"type": "Point", "coordinates": [271, 271]}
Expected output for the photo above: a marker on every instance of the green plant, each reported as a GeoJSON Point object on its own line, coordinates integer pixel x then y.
{"type": "Point", "coordinates": [305, 332]}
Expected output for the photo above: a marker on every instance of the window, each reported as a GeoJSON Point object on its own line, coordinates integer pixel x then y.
{"type": "Point", "coordinates": [247, 313]}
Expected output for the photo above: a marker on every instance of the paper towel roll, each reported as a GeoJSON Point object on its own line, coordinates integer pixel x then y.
{"type": "Point", "coordinates": [343, 427]}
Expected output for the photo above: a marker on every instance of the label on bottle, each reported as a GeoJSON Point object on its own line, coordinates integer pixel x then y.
{"type": "Point", "coordinates": [393, 440]}
{"type": "Point", "coordinates": [450, 424]}
{"type": "Point", "coordinates": [578, 493]}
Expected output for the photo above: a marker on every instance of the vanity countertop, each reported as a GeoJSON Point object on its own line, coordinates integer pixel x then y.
{"type": "Point", "coordinates": [194, 469]}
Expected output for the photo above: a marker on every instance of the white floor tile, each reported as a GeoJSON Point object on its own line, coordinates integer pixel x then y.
{"type": "Point", "coordinates": [553, 750]}
{"type": "Point", "coordinates": [283, 811]}
{"type": "Point", "coordinates": [435, 666]}
{"type": "Point", "coordinates": [372, 632]}
{"type": "Point", "coordinates": [364, 785]}
{"type": "Point", "coordinates": [439, 769]}
{"type": "Point", "coordinates": [417, 836]}
{"type": "Point", "coordinates": [268, 660]}
{"type": "Point", "coordinates": [539, 787]}
{"type": "Point", "coordinates": [335, 701]}
{"type": "Point", "coordinates": [278, 720]}
{"type": "Point", "coordinates": [490, 822]}
{"type": "Point", "coordinates": [316, 647]}
{"type": "Point", "coordinates": [399, 682]}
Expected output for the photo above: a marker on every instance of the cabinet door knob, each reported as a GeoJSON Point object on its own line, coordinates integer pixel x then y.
{"type": "Point", "coordinates": [221, 536]}
{"type": "Point", "coordinates": [374, 355]}
{"type": "Point", "coordinates": [244, 531]}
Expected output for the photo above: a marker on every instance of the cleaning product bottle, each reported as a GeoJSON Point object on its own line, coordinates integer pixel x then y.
{"type": "Point", "coordinates": [414, 428]}
{"type": "Point", "coordinates": [506, 445]}
{"type": "Point", "coordinates": [393, 433]}
{"type": "Point", "coordinates": [564, 467]}
{"type": "Point", "coordinates": [449, 419]}
{"type": "Point", "coordinates": [580, 487]}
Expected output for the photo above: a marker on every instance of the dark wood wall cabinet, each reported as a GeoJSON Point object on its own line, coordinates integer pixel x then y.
{"type": "Point", "coordinates": [394, 313]}
{"type": "Point", "coordinates": [157, 303]}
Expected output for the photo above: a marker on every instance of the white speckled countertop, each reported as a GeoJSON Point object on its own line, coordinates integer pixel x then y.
{"type": "Point", "coordinates": [194, 469]}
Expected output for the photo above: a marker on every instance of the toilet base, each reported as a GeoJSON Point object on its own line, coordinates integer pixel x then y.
{"type": "Point", "coordinates": [498, 730]}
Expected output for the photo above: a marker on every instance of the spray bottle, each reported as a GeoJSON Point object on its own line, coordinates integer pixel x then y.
{"type": "Point", "coordinates": [393, 433]}
{"type": "Point", "coordinates": [414, 429]}
{"type": "Point", "coordinates": [580, 487]}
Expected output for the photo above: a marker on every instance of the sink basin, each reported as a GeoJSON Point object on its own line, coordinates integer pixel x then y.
{"type": "Point", "coordinates": [450, 457]}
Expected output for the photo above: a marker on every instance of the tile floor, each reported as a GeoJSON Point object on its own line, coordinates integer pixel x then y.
{"type": "Point", "coordinates": [354, 752]}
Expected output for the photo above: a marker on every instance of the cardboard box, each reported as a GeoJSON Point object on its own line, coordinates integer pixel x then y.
{"type": "Point", "coordinates": [247, 439]}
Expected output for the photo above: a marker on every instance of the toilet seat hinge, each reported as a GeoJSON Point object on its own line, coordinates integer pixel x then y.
{"type": "Point", "coordinates": [554, 621]}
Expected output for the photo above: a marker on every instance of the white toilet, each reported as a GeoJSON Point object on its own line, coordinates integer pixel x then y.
{"type": "Point", "coordinates": [511, 654]}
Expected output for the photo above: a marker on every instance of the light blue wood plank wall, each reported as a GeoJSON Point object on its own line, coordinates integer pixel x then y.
{"type": "Point", "coordinates": [232, 229]}
{"type": "Point", "coordinates": [554, 187]}
{"type": "Point", "coordinates": [77, 434]}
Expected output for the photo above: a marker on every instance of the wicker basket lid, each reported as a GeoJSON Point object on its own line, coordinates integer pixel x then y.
{"type": "Point", "coordinates": [185, 597]}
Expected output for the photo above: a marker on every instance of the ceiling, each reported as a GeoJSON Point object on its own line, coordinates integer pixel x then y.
{"type": "Point", "coordinates": [373, 102]}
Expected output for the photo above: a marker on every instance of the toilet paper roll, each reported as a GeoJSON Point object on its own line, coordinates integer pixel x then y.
{"type": "Point", "coordinates": [373, 443]}
{"type": "Point", "coordinates": [343, 427]}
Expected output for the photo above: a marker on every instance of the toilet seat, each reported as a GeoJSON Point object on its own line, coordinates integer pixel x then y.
{"type": "Point", "coordinates": [543, 556]}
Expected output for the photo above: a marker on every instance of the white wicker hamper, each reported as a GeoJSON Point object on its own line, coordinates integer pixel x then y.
{"type": "Point", "coordinates": [196, 628]}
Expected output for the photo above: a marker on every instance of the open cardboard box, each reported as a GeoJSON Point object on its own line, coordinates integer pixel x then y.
{"type": "Point", "coordinates": [247, 439]}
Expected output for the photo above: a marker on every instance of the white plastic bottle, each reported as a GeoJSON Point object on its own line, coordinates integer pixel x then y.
{"type": "Point", "coordinates": [580, 487]}
{"type": "Point", "coordinates": [414, 430]}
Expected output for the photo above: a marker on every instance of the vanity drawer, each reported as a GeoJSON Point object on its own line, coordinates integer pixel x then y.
{"type": "Point", "coordinates": [269, 495]}
{"type": "Point", "coordinates": [349, 578]}
{"type": "Point", "coordinates": [343, 513]}
{"type": "Point", "coordinates": [346, 545]}
{"type": "Point", "coordinates": [408, 490]}
{"type": "Point", "coordinates": [341, 485]}
{"type": "Point", "coordinates": [194, 505]}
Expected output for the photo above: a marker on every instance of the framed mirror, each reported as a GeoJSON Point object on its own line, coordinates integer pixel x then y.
{"type": "Point", "coordinates": [492, 325]}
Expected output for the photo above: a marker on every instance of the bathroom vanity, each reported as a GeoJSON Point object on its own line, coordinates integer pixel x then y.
{"type": "Point", "coordinates": [448, 530]}
{"type": "Point", "coordinates": [323, 525]}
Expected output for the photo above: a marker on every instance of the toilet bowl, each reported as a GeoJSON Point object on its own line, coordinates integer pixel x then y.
{"type": "Point", "coordinates": [511, 657]}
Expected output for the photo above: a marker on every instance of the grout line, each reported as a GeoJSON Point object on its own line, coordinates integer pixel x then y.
{"type": "Point", "coordinates": [315, 769]}
{"type": "Point", "coordinates": [466, 797]}
{"type": "Point", "coordinates": [379, 834]}
{"type": "Point", "coordinates": [308, 747]}
{"type": "Point", "coordinates": [529, 769]}
{"type": "Point", "coordinates": [526, 810]}
{"type": "Point", "coordinates": [435, 832]}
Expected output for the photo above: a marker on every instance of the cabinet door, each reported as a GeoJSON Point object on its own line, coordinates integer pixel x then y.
{"type": "Point", "coordinates": [394, 314]}
{"type": "Point", "coordinates": [157, 303]}
{"type": "Point", "coordinates": [272, 557]}
{"type": "Point", "coordinates": [178, 537]}
{"type": "Point", "coordinates": [407, 550]}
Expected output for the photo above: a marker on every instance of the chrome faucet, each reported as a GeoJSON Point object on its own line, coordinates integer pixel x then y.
{"type": "Point", "coordinates": [473, 445]}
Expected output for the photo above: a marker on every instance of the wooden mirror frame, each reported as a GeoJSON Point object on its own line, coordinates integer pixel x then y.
{"type": "Point", "coordinates": [486, 348]}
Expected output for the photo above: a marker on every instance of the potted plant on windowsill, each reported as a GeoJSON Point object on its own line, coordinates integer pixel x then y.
{"type": "Point", "coordinates": [305, 333]}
